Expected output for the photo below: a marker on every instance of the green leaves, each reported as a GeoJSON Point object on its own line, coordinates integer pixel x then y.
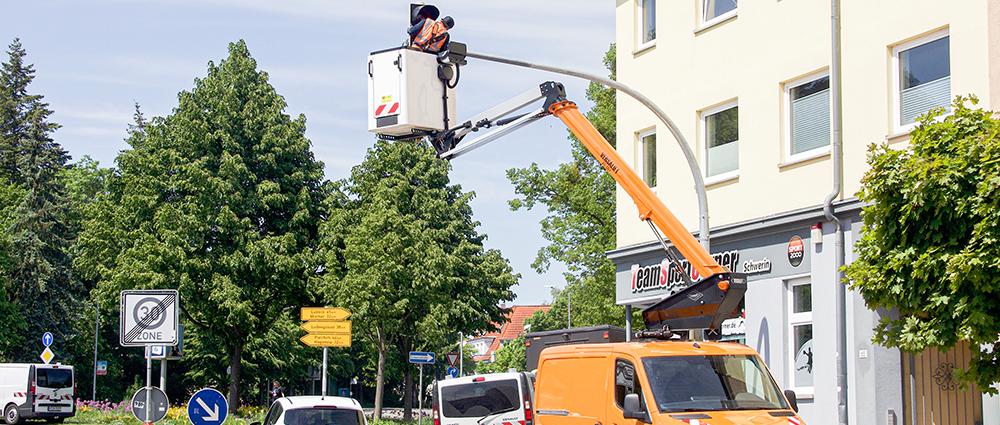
{"type": "Point", "coordinates": [929, 247]}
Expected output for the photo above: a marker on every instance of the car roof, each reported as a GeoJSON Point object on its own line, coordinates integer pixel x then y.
{"type": "Point", "coordinates": [295, 402]}
{"type": "Point", "coordinates": [471, 378]}
{"type": "Point", "coordinates": [655, 348]}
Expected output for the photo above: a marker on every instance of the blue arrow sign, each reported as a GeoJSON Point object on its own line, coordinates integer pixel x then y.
{"type": "Point", "coordinates": [47, 339]}
{"type": "Point", "coordinates": [207, 407]}
{"type": "Point", "coordinates": [421, 357]}
{"type": "Point", "coordinates": [453, 371]}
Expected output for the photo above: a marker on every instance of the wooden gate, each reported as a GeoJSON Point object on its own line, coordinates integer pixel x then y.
{"type": "Point", "coordinates": [932, 396]}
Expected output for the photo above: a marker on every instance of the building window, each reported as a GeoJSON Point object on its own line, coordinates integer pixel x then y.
{"type": "Point", "coordinates": [647, 22]}
{"type": "Point", "coordinates": [808, 116]}
{"type": "Point", "coordinates": [722, 134]}
{"type": "Point", "coordinates": [646, 161]}
{"type": "Point", "coordinates": [717, 10]}
{"type": "Point", "coordinates": [923, 77]}
{"type": "Point", "coordinates": [800, 333]}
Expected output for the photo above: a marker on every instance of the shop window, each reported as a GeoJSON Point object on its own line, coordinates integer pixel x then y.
{"type": "Point", "coordinates": [646, 25]}
{"type": "Point", "coordinates": [722, 133]}
{"type": "Point", "coordinates": [923, 77]}
{"type": "Point", "coordinates": [646, 161]}
{"type": "Point", "coordinates": [713, 11]}
{"type": "Point", "coordinates": [800, 334]}
{"type": "Point", "coordinates": [808, 116]}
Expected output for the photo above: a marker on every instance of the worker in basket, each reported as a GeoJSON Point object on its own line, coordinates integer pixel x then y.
{"type": "Point", "coordinates": [430, 36]}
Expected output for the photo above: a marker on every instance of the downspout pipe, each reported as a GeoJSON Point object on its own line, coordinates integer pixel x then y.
{"type": "Point", "coordinates": [699, 180]}
{"type": "Point", "coordinates": [837, 124]}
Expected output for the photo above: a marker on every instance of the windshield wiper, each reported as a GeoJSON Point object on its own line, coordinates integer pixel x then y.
{"type": "Point", "coordinates": [493, 416]}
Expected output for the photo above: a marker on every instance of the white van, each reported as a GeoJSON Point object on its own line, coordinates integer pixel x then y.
{"type": "Point", "coordinates": [36, 391]}
{"type": "Point", "coordinates": [490, 399]}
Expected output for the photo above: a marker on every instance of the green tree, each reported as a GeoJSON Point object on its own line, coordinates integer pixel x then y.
{"type": "Point", "coordinates": [222, 200]}
{"type": "Point", "coordinates": [579, 197]}
{"type": "Point", "coordinates": [930, 246]}
{"type": "Point", "coordinates": [412, 267]}
{"type": "Point", "coordinates": [38, 270]}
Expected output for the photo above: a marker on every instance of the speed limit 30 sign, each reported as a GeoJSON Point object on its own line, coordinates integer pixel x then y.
{"type": "Point", "coordinates": [149, 317]}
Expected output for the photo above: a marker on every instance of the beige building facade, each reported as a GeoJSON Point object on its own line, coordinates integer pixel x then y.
{"type": "Point", "coordinates": [748, 85]}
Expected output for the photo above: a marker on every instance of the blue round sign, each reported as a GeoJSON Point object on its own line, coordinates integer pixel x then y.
{"type": "Point", "coordinates": [453, 371]}
{"type": "Point", "coordinates": [207, 407]}
{"type": "Point", "coordinates": [47, 339]}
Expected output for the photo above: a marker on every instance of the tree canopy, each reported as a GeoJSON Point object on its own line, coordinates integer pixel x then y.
{"type": "Point", "coordinates": [930, 246]}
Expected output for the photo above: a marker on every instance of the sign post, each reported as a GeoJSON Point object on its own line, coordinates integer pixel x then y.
{"type": "Point", "coordinates": [421, 358]}
{"type": "Point", "coordinates": [326, 327]}
{"type": "Point", "coordinates": [148, 319]}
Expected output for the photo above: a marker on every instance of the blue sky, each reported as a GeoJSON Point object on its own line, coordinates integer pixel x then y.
{"type": "Point", "coordinates": [94, 59]}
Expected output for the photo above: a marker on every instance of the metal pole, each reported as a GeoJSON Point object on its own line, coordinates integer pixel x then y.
{"type": "Point", "coordinates": [324, 371]}
{"type": "Point", "coordinates": [628, 322]}
{"type": "Point", "coordinates": [420, 397]}
{"type": "Point", "coordinates": [97, 330]}
{"type": "Point", "coordinates": [692, 161]}
{"type": "Point", "coordinates": [569, 309]}
{"type": "Point", "coordinates": [149, 381]}
{"type": "Point", "coordinates": [163, 374]}
{"type": "Point", "coordinates": [461, 354]}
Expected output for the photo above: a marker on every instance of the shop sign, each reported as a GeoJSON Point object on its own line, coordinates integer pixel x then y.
{"type": "Point", "coordinates": [757, 266]}
{"type": "Point", "coordinates": [664, 276]}
{"type": "Point", "coordinates": [734, 326]}
{"type": "Point", "coordinates": [796, 251]}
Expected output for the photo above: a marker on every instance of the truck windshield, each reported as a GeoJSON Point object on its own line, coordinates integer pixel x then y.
{"type": "Point", "coordinates": [322, 416]}
{"type": "Point", "coordinates": [54, 378]}
{"type": "Point", "coordinates": [479, 398]}
{"type": "Point", "coordinates": [703, 383]}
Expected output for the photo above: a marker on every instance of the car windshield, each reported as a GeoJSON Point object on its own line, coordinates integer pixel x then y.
{"type": "Point", "coordinates": [703, 383]}
{"type": "Point", "coordinates": [479, 399]}
{"type": "Point", "coordinates": [322, 416]}
{"type": "Point", "coordinates": [54, 378]}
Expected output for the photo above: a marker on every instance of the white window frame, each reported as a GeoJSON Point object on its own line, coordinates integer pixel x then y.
{"type": "Point", "coordinates": [900, 129]}
{"type": "Point", "coordinates": [641, 45]}
{"type": "Point", "coordinates": [791, 158]}
{"type": "Point", "coordinates": [703, 118]}
{"type": "Point", "coordinates": [798, 319]}
{"type": "Point", "coordinates": [703, 14]}
{"type": "Point", "coordinates": [640, 151]}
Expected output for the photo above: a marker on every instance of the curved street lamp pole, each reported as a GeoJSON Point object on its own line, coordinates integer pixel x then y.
{"type": "Point", "coordinates": [699, 180]}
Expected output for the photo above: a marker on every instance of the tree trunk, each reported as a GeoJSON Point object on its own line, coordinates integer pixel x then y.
{"type": "Point", "coordinates": [408, 393]}
{"type": "Point", "coordinates": [379, 376]}
{"type": "Point", "coordinates": [235, 361]}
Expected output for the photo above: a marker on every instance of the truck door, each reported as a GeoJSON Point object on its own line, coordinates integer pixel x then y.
{"type": "Point", "coordinates": [626, 381]}
{"type": "Point", "coordinates": [572, 390]}
{"type": "Point", "coordinates": [53, 389]}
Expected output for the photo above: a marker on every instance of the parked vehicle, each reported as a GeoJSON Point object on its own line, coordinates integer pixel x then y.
{"type": "Point", "coordinates": [489, 399]}
{"type": "Point", "coordinates": [36, 391]}
{"type": "Point", "coordinates": [535, 342]}
{"type": "Point", "coordinates": [661, 382]}
{"type": "Point", "coordinates": [310, 410]}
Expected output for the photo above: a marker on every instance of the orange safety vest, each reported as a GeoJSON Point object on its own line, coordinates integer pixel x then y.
{"type": "Point", "coordinates": [431, 37]}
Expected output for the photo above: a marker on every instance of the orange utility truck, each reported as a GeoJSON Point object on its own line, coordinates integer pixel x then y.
{"type": "Point", "coordinates": [661, 380]}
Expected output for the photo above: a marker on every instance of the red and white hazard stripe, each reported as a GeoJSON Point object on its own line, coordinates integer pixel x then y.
{"type": "Point", "coordinates": [19, 394]}
{"type": "Point", "coordinates": [386, 109]}
{"type": "Point", "coordinates": [693, 421]}
{"type": "Point", "coordinates": [792, 420]}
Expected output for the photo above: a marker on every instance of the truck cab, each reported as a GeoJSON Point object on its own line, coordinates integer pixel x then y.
{"type": "Point", "coordinates": [36, 391]}
{"type": "Point", "coordinates": [660, 382]}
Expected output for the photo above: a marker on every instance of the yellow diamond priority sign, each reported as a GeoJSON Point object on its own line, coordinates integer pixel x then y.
{"type": "Point", "coordinates": [47, 355]}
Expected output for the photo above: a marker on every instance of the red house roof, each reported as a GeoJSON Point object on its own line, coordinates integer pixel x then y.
{"type": "Point", "coordinates": [511, 329]}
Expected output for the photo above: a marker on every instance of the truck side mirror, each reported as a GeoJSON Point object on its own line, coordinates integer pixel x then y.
{"type": "Point", "coordinates": [632, 408]}
{"type": "Point", "coordinates": [792, 400]}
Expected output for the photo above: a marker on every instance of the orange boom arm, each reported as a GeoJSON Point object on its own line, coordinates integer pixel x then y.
{"type": "Point", "coordinates": [650, 206]}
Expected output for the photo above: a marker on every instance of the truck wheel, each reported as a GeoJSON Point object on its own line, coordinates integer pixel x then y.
{"type": "Point", "coordinates": [11, 415]}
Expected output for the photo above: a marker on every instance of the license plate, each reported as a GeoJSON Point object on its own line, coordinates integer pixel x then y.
{"type": "Point", "coordinates": [55, 409]}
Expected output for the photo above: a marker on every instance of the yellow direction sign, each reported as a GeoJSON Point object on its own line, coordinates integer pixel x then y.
{"type": "Point", "coordinates": [327, 340]}
{"type": "Point", "coordinates": [343, 327]}
{"type": "Point", "coordinates": [324, 313]}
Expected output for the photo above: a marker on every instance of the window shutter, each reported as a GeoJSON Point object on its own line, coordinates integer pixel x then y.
{"type": "Point", "coordinates": [811, 122]}
{"type": "Point", "coordinates": [917, 100]}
